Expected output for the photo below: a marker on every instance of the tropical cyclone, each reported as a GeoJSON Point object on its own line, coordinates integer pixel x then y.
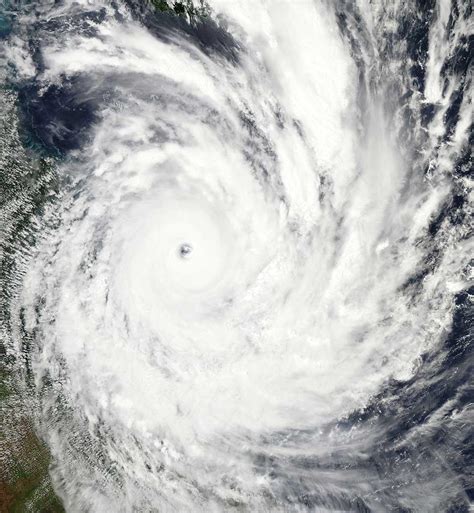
{"type": "Point", "coordinates": [227, 271]}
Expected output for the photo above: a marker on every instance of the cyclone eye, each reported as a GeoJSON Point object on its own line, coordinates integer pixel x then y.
{"type": "Point", "coordinates": [185, 250]}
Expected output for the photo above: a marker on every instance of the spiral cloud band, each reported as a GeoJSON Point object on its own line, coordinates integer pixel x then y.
{"type": "Point", "coordinates": [249, 249]}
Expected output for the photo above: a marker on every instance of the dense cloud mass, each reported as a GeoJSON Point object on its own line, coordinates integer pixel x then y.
{"type": "Point", "coordinates": [242, 283]}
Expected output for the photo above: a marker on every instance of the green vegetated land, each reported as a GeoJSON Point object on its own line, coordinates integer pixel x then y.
{"type": "Point", "coordinates": [25, 485]}
{"type": "Point", "coordinates": [25, 183]}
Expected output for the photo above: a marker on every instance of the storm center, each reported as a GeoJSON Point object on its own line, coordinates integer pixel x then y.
{"type": "Point", "coordinates": [185, 250]}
